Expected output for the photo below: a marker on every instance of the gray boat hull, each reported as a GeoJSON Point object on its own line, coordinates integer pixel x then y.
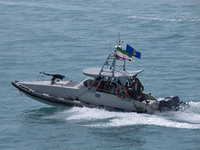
{"type": "Point", "coordinates": [82, 96]}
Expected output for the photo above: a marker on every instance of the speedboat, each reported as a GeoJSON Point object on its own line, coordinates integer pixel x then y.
{"type": "Point", "coordinates": [109, 87]}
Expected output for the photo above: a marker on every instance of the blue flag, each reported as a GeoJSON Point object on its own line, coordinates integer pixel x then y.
{"type": "Point", "coordinates": [132, 51]}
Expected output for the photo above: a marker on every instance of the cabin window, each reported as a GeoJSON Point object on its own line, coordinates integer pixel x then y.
{"type": "Point", "coordinates": [107, 86]}
{"type": "Point", "coordinates": [88, 82]}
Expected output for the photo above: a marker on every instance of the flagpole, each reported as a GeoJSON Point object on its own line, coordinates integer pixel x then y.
{"type": "Point", "coordinates": [124, 69]}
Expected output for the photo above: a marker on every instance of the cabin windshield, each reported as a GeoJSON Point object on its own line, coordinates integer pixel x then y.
{"type": "Point", "coordinates": [109, 84]}
{"type": "Point", "coordinates": [130, 86]}
{"type": "Point", "coordinates": [88, 83]}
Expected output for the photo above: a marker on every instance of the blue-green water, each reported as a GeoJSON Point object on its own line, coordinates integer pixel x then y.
{"type": "Point", "coordinates": [66, 36]}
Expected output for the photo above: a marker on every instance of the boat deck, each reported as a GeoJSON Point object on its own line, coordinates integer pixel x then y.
{"type": "Point", "coordinates": [72, 84]}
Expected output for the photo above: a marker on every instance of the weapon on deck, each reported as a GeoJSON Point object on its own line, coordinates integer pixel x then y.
{"type": "Point", "coordinates": [54, 76]}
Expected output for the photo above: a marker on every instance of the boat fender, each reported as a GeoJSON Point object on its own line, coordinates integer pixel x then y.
{"type": "Point", "coordinates": [121, 91]}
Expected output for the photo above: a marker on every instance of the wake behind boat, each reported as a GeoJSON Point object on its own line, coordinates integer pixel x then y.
{"type": "Point", "coordinates": [110, 87]}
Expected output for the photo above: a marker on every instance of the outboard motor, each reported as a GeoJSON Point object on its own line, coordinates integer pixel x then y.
{"type": "Point", "coordinates": [169, 103]}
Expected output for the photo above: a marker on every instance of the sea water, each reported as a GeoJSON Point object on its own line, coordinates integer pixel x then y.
{"type": "Point", "coordinates": [65, 37]}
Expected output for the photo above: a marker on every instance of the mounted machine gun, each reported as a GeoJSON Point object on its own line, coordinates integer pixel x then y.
{"type": "Point", "coordinates": [54, 77]}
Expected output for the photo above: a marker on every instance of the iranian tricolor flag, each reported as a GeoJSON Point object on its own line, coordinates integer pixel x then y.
{"type": "Point", "coordinates": [123, 54]}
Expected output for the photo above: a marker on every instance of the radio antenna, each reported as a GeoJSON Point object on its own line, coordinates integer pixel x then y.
{"type": "Point", "coordinates": [119, 42]}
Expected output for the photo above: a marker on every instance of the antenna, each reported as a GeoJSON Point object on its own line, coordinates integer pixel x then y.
{"type": "Point", "coordinates": [119, 42]}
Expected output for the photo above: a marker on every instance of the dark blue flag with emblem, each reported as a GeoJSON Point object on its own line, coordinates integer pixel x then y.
{"type": "Point", "coordinates": [132, 51]}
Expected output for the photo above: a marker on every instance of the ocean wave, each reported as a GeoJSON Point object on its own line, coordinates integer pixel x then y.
{"type": "Point", "coordinates": [41, 5]}
{"type": "Point", "coordinates": [189, 119]}
{"type": "Point", "coordinates": [188, 19]}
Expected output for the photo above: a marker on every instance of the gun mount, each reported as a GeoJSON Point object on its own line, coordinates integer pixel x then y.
{"type": "Point", "coordinates": [54, 76]}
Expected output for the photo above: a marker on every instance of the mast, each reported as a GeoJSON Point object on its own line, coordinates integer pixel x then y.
{"type": "Point", "coordinates": [110, 66]}
{"type": "Point", "coordinates": [119, 42]}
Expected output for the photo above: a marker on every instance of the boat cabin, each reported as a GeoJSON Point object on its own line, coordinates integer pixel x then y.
{"type": "Point", "coordinates": [112, 77]}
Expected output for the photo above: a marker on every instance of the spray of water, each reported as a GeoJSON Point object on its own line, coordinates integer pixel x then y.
{"type": "Point", "coordinates": [100, 118]}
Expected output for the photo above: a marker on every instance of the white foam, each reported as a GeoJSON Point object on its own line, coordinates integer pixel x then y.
{"type": "Point", "coordinates": [187, 117]}
{"type": "Point", "coordinates": [89, 114]}
{"type": "Point", "coordinates": [195, 105]}
{"type": "Point", "coordinates": [100, 118]}
{"type": "Point", "coordinates": [118, 119]}
{"type": "Point", "coordinates": [41, 5]}
{"type": "Point", "coordinates": [141, 119]}
{"type": "Point", "coordinates": [165, 19]}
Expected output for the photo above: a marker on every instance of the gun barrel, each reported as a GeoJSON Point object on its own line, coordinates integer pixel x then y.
{"type": "Point", "coordinates": [55, 76]}
{"type": "Point", "coordinates": [46, 73]}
